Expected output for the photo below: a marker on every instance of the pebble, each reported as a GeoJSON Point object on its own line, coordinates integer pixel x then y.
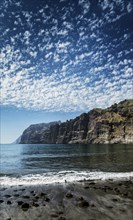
{"type": "Point", "coordinates": [122, 210]}
{"type": "Point", "coordinates": [86, 187]}
{"type": "Point", "coordinates": [69, 195]}
{"type": "Point", "coordinates": [120, 184]}
{"type": "Point", "coordinates": [22, 189]}
{"type": "Point", "coordinates": [93, 205]}
{"type": "Point", "coordinates": [35, 204]}
{"type": "Point", "coordinates": [16, 195]}
{"type": "Point", "coordinates": [60, 212]}
{"type": "Point", "coordinates": [43, 194]}
{"type": "Point", "coordinates": [92, 183]}
{"type": "Point", "coordinates": [54, 215]}
{"type": "Point", "coordinates": [26, 197]}
{"type": "Point", "coordinates": [7, 196]}
{"type": "Point", "coordinates": [1, 201]}
{"type": "Point", "coordinates": [110, 207]}
{"type": "Point", "coordinates": [3, 189]}
{"type": "Point", "coordinates": [20, 202]}
{"type": "Point", "coordinates": [84, 203]}
{"type": "Point", "coordinates": [125, 194]}
{"type": "Point", "coordinates": [25, 206]}
{"type": "Point", "coordinates": [46, 199]}
{"type": "Point", "coordinates": [115, 200]}
{"type": "Point", "coordinates": [9, 203]}
{"type": "Point", "coordinates": [81, 199]}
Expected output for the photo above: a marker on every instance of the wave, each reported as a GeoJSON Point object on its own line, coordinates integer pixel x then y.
{"type": "Point", "coordinates": [61, 177]}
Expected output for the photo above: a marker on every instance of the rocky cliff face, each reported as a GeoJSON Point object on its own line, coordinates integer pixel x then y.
{"type": "Point", "coordinates": [111, 125]}
{"type": "Point", "coordinates": [35, 134]}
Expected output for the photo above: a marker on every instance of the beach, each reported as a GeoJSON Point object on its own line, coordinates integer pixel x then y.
{"type": "Point", "coordinates": [84, 200]}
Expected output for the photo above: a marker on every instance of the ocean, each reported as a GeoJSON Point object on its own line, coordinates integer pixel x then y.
{"type": "Point", "coordinates": [52, 163]}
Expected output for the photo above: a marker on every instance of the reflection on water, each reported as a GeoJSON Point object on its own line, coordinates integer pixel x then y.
{"type": "Point", "coordinates": [33, 159]}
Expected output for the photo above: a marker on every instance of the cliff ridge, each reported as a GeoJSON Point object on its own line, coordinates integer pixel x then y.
{"type": "Point", "coordinates": [110, 125]}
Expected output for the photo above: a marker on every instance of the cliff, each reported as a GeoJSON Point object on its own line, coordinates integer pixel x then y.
{"type": "Point", "coordinates": [36, 133]}
{"type": "Point", "coordinates": [110, 125]}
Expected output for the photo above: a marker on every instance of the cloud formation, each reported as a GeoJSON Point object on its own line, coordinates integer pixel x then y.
{"type": "Point", "coordinates": [66, 56]}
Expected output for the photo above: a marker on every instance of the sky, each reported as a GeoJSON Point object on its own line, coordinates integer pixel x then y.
{"type": "Point", "coordinates": [60, 58]}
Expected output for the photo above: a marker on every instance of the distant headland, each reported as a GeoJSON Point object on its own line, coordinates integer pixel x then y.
{"type": "Point", "coordinates": [110, 125]}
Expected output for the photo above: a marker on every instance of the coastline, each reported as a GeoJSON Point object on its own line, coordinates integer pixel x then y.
{"type": "Point", "coordinates": [84, 200]}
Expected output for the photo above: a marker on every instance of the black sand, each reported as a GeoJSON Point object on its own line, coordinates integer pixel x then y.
{"type": "Point", "coordinates": [87, 200]}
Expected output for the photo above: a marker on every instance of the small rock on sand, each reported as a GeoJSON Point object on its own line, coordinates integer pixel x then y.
{"type": "Point", "coordinates": [15, 190]}
{"type": "Point", "coordinates": [7, 196]}
{"type": "Point", "coordinates": [69, 195]}
{"type": "Point", "coordinates": [22, 189]}
{"type": "Point", "coordinates": [16, 195]}
{"type": "Point", "coordinates": [26, 196]}
{"type": "Point", "coordinates": [35, 204]}
{"type": "Point", "coordinates": [114, 200]}
{"type": "Point", "coordinates": [46, 199]}
{"type": "Point", "coordinates": [9, 203]}
{"type": "Point", "coordinates": [54, 215]}
{"type": "Point", "coordinates": [20, 202]}
{"type": "Point", "coordinates": [83, 203]}
{"type": "Point", "coordinates": [25, 206]}
{"type": "Point", "coordinates": [3, 189]}
{"type": "Point", "coordinates": [1, 201]}
{"type": "Point", "coordinates": [92, 183]}
{"type": "Point", "coordinates": [125, 194]}
{"type": "Point", "coordinates": [43, 194]}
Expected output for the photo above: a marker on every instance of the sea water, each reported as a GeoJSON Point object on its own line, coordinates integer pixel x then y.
{"type": "Point", "coordinates": [51, 163]}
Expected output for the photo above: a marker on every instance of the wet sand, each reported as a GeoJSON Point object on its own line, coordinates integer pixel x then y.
{"type": "Point", "coordinates": [87, 200]}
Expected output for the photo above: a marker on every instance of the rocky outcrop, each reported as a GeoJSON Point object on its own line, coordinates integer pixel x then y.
{"type": "Point", "coordinates": [37, 133]}
{"type": "Point", "coordinates": [111, 125]}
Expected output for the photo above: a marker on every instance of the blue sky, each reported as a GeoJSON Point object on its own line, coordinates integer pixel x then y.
{"type": "Point", "coordinates": [14, 121]}
{"type": "Point", "coordinates": [62, 57]}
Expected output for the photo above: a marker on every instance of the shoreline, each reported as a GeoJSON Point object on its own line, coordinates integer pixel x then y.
{"type": "Point", "coordinates": [63, 176]}
{"type": "Point", "coordinates": [83, 200]}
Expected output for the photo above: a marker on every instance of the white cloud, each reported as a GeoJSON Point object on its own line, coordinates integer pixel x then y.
{"type": "Point", "coordinates": [48, 55]}
{"type": "Point", "coordinates": [65, 65]}
{"type": "Point", "coordinates": [129, 7]}
{"type": "Point", "coordinates": [33, 53]}
{"type": "Point", "coordinates": [68, 94]}
{"type": "Point", "coordinates": [63, 32]}
{"type": "Point", "coordinates": [62, 45]}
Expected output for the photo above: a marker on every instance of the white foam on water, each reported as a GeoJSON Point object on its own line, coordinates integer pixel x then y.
{"type": "Point", "coordinates": [61, 177]}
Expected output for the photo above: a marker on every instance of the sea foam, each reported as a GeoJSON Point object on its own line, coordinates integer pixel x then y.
{"type": "Point", "coordinates": [63, 176]}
